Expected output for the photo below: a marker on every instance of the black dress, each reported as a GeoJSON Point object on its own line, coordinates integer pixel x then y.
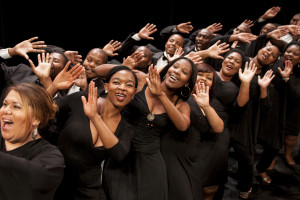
{"type": "Point", "coordinates": [83, 161]}
{"type": "Point", "coordinates": [32, 171]}
{"type": "Point", "coordinates": [148, 165]}
{"type": "Point", "coordinates": [183, 153]}
{"type": "Point", "coordinates": [215, 147]}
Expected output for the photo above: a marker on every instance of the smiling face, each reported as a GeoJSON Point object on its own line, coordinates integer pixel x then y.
{"type": "Point", "coordinates": [179, 74]}
{"type": "Point", "coordinates": [121, 88]}
{"type": "Point", "coordinates": [231, 64]}
{"type": "Point", "coordinates": [205, 78]}
{"type": "Point", "coordinates": [174, 42]}
{"type": "Point", "coordinates": [292, 53]}
{"type": "Point", "coordinates": [16, 119]}
{"type": "Point", "coordinates": [94, 58]}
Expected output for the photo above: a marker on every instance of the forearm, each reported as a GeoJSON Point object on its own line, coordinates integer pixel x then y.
{"type": "Point", "coordinates": [178, 118]}
{"type": "Point", "coordinates": [215, 122]}
{"type": "Point", "coordinates": [107, 137]}
{"type": "Point", "coordinates": [263, 93]}
{"type": "Point", "coordinates": [243, 96]}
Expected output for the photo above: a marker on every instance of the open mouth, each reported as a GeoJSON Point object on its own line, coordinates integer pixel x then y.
{"type": "Point", "coordinates": [120, 97]}
{"type": "Point", "coordinates": [173, 79]}
{"type": "Point", "coordinates": [6, 123]}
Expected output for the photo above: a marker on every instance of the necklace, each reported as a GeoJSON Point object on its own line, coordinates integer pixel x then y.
{"type": "Point", "coordinates": [150, 117]}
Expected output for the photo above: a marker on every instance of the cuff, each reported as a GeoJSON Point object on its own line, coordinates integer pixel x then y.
{"type": "Point", "coordinates": [136, 37]}
{"type": "Point", "coordinates": [4, 53]}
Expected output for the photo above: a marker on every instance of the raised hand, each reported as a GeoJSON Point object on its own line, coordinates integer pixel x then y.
{"type": "Point", "coordinates": [90, 106]}
{"type": "Point", "coordinates": [215, 27]}
{"type": "Point", "coordinates": [266, 80]}
{"type": "Point", "coordinates": [81, 81]}
{"type": "Point", "coordinates": [288, 69]}
{"type": "Point", "coordinates": [185, 27]}
{"type": "Point", "coordinates": [202, 95]}
{"type": "Point", "coordinates": [271, 13]}
{"type": "Point", "coordinates": [217, 49]}
{"type": "Point", "coordinates": [42, 71]}
{"type": "Point", "coordinates": [196, 58]}
{"type": "Point", "coordinates": [66, 78]}
{"type": "Point", "coordinates": [248, 23]}
{"type": "Point", "coordinates": [133, 60]}
{"type": "Point", "coordinates": [178, 52]}
{"type": "Point", "coordinates": [73, 56]}
{"type": "Point", "coordinates": [27, 46]}
{"type": "Point", "coordinates": [246, 37]}
{"type": "Point", "coordinates": [154, 82]}
{"type": "Point", "coordinates": [146, 31]}
{"type": "Point", "coordinates": [249, 72]}
{"type": "Point", "coordinates": [111, 47]}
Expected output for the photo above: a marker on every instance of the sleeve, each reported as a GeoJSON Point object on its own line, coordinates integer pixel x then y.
{"type": "Point", "coordinates": [168, 31]}
{"type": "Point", "coordinates": [4, 53]}
{"type": "Point", "coordinates": [43, 173]}
{"type": "Point", "coordinates": [294, 86]}
{"type": "Point", "coordinates": [121, 149]}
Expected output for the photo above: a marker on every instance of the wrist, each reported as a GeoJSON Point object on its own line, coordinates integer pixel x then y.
{"type": "Point", "coordinates": [12, 52]}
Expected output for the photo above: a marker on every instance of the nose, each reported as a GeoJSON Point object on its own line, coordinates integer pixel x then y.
{"type": "Point", "coordinates": [6, 110]}
{"type": "Point", "coordinates": [122, 86]}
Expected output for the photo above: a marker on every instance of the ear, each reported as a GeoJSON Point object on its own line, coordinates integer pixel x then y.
{"type": "Point", "coordinates": [106, 86]}
{"type": "Point", "coordinates": [186, 85]}
{"type": "Point", "coordinates": [35, 122]}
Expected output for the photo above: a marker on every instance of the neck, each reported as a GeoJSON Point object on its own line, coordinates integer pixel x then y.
{"type": "Point", "coordinates": [106, 109]}
{"type": "Point", "coordinates": [224, 77]}
{"type": "Point", "coordinates": [259, 66]}
{"type": "Point", "coordinates": [14, 145]}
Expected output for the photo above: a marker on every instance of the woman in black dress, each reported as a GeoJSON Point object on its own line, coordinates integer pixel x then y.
{"type": "Point", "coordinates": [229, 101]}
{"type": "Point", "coordinates": [30, 167]}
{"type": "Point", "coordinates": [89, 136]}
{"type": "Point", "coordinates": [157, 108]}
{"type": "Point", "coordinates": [292, 121]}
{"type": "Point", "coordinates": [280, 117]}
{"type": "Point", "coordinates": [183, 151]}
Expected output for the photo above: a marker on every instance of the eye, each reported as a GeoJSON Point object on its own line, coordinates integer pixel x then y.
{"type": "Point", "coordinates": [116, 82]}
{"type": "Point", "coordinates": [129, 85]}
{"type": "Point", "coordinates": [184, 72]}
{"type": "Point", "coordinates": [17, 107]}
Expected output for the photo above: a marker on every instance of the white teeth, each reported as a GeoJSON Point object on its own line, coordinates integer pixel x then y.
{"type": "Point", "coordinates": [173, 78]}
{"type": "Point", "coordinates": [229, 66]}
{"type": "Point", "coordinates": [6, 120]}
{"type": "Point", "coordinates": [120, 95]}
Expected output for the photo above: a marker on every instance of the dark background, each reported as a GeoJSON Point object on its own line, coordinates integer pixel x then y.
{"type": "Point", "coordinates": [83, 25]}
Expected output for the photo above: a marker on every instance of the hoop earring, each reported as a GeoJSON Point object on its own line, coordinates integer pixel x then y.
{"type": "Point", "coordinates": [34, 133]}
{"type": "Point", "coordinates": [185, 92]}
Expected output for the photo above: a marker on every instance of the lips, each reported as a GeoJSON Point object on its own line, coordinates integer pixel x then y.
{"type": "Point", "coordinates": [120, 97]}
{"type": "Point", "coordinates": [173, 79]}
{"type": "Point", "coordinates": [6, 123]}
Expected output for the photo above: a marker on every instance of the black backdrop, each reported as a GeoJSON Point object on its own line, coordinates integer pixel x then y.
{"type": "Point", "coordinates": [82, 25]}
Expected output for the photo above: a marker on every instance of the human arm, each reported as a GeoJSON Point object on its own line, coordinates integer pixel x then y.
{"type": "Point", "coordinates": [65, 78]}
{"type": "Point", "coordinates": [20, 177]}
{"type": "Point", "coordinates": [202, 99]}
{"type": "Point", "coordinates": [264, 83]}
{"type": "Point", "coordinates": [27, 46]}
{"type": "Point", "coordinates": [111, 47]}
{"type": "Point", "coordinates": [106, 136]}
{"type": "Point", "coordinates": [42, 71]}
{"type": "Point", "coordinates": [179, 116]}
{"type": "Point", "coordinates": [245, 78]}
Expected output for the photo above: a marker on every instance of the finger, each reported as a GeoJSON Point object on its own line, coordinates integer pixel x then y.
{"type": "Point", "coordinates": [207, 89]}
{"type": "Point", "coordinates": [33, 38]}
{"type": "Point", "coordinates": [83, 99]}
{"type": "Point", "coordinates": [38, 43]}
{"type": "Point", "coordinates": [39, 59]}
{"type": "Point", "coordinates": [67, 66]}
{"type": "Point", "coordinates": [40, 46]}
{"type": "Point", "coordinates": [43, 57]}
{"type": "Point", "coordinates": [47, 58]}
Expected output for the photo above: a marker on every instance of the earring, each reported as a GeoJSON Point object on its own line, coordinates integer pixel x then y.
{"type": "Point", "coordinates": [185, 92]}
{"type": "Point", "coordinates": [105, 91]}
{"type": "Point", "coordinates": [34, 133]}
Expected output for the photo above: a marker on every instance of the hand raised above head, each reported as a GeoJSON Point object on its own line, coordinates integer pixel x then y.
{"type": "Point", "coordinates": [27, 46]}
{"type": "Point", "coordinates": [146, 31]}
{"type": "Point", "coordinates": [185, 27]}
{"type": "Point", "coordinates": [111, 47]}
